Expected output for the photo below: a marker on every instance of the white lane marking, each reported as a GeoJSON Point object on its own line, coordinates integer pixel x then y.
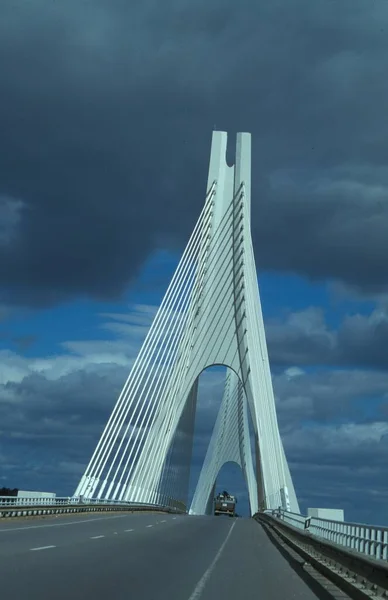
{"type": "Point", "coordinates": [42, 548]}
{"type": "Point", "coordinates": [173, 518]}
{"type": "Point", "coordinates": [62, 524]}
{"type": "Point", "coordinates": [96, 537]}
{"type": "Point", "coordinates": [115, 533]}
{"type": "Point", "coordinates": [206, 576]}
{"type": "Point", "coordinates": [129, 530]}
{"type": "Point", "coordinates": [164, 521]}
{"type": "Point", "coordinates": [149, 525]}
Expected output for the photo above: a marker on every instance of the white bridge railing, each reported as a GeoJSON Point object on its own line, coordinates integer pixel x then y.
{"type": "Point", "coordinates": [17, 504]}
{"type": "Point", "coordinates": [51, 501]}
{"type": "Point", "coordinates": [366, 539]}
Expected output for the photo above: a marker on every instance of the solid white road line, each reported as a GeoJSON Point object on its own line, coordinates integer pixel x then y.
{"type": "Point", "coordinates": [42, 548]}
{"type": "Point", "coordinates": [206, 576]}
{"type": "Point", "coordinates": [97, 537]}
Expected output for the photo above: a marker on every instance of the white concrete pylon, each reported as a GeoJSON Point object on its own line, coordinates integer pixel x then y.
{"type": "Point", "coordinates": [230, 442]}
{"type": "Point", "coordinates": [211, 315]}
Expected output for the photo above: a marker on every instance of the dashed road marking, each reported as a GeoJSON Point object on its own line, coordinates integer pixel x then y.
{"type": "Point", "coordinates": [97, 537]}
{"type": "Point", "coordinates": [129, 530]}
{"type": "Point", "coordinates": [42, 548]}
{"type": "Point", "coordinates": [149, 525]}
{"type": "Point", "coordinates": [61, 524]}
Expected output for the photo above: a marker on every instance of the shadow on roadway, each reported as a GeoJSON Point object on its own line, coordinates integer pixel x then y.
{"type": "Point", "coordinates": [318, 583]}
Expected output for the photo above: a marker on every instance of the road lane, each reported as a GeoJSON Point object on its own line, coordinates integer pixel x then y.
{"type": "Point", "coordinates": [178, 558]}
{"type": "Point", "coordinates": [7, 524]}
{"type": "Point", "coordinates": [20, 538]}
{"type": "Point", "coordinates": [251, 562]}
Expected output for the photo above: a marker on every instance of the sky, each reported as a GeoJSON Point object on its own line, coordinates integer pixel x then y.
{"type": "Point", "coordinates": [106, 115]}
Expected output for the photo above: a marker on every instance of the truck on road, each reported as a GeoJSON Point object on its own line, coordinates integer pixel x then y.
{"type": "Point", "coordinates": [225, 504]}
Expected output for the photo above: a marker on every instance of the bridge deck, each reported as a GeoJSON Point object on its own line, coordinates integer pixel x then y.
{"type": "Point", "coordinates": [144, 556]}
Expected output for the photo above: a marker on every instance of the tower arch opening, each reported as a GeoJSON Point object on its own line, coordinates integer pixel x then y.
{"type": "Point", "coordinates": [230, 478]}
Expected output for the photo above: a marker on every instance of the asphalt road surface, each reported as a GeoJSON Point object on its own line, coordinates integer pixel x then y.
{"type": "Point", "coordinates": [143, 556]}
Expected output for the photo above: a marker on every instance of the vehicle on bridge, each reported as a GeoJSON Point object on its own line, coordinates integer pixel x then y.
{"type": "Point", "coordinates": [225, 504]}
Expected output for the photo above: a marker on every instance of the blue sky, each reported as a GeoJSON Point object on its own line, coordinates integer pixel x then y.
{"type": "Point", "coordinates": [280, 294]}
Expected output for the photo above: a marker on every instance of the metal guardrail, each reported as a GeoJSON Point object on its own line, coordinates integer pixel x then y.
{"type": "Point", "coordinates": [355, 572]}
{"type": "Point", "coordinates": [371, 540]}
{"type": "Point", "coordinates": [22, 507]}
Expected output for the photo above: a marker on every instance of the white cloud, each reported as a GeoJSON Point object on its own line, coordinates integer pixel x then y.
{"type": "Point", "coordinates": [305, 338]}
{"type": "Point", "coordinates": [337, 438]}
{"type": "Point", "coordinates": [294, 372]}
{"type": "Point", "coordinates": [81, 355]}
{"type": "Point", "coordinates": [10, 217]}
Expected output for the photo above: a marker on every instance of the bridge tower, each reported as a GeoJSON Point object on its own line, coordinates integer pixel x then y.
{"type": "Point", "coordinates": [211, 315]}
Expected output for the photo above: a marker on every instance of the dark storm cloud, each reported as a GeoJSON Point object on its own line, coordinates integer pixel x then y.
{"type": "Point", "coordinates": [47, 421]}
{"type": "Point", "coordinates": [305, 338]}
{"type": "Point", "coordinates": [68, 406]}
{"type": "Point", "coordinates": [49, 429]}
{"type": "Point", "coordinates": [335, 434]}
{"type": "Point", "coordinates": [49, 438]}
{"type": "Point", "coordinates": [341, 467]}
{"type": "Point", "coordinates": [361, 491]}
{"type": "Point", "coordinates": [51, 435]}
{"type": "Point", "coordinates": [105, 120]}
{"type": "Point", "coordinates": [334, 400]}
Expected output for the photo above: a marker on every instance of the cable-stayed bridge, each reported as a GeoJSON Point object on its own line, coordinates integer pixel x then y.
{"type": "Point", "coordinates": [130, 529]}
{"type": "Point", "coordinates": [210, 315]}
